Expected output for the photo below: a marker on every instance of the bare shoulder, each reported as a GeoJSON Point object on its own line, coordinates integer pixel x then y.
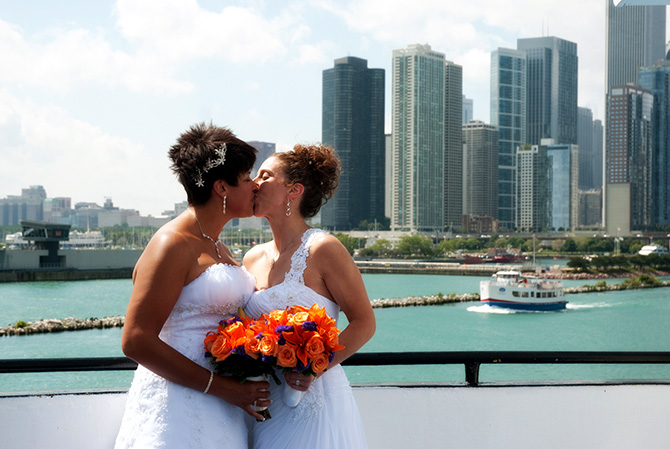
{"type": "Point", "coordinates": [328, 248]}
{"type": "Point", "coordinates": [168, 247]}
{"type": "Point", "coordinates": [255, 253]}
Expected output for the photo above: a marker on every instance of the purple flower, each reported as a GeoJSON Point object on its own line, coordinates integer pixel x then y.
{"type": "Point", "coordinates": [283, 328]}
{"type": "Point", "coordinates": [309, 326]}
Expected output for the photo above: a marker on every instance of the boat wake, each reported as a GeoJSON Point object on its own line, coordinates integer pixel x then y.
{"type": "Point", "coordinates": [598, 305]}
{"type": "Point", "coordinates": [485, 308]}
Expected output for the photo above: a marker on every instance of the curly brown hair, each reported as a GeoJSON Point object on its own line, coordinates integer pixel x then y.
{"type": "Point", "coordinates": [317, 168]}
{"type": "Point", "coordinates": [196, 146]}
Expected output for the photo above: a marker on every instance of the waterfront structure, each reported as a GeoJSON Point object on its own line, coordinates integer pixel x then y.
{"type": "Point", "coordinates": [551, 112]}
{"type": "Point", "coordinates": [353, 124]}
{"type": "Point", "coordinates": [656, 79]}
{"type": "Point", "coordinates": [388, 178]}
{"type": "Point", "coordinates": [533, 191]}
{"type": "Point", "coordinates": [563, 164]}
{"type": "Point", "coordinates": [426, 140]}
{"type": "Point", "coordinates": [480, 170]}
{"type": "Point", "coordinates": [629, 160]}
{"type": "Point", "coordinates": [635, 38]}
{"type": "Point", "coordinates": [508, 114]}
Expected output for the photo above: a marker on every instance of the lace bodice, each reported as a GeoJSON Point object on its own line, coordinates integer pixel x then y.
{"type": "Point", "coordinates": [293, 290]}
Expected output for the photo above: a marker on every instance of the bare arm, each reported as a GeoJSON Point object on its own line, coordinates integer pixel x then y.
{"type": "Point", "coordinates": [343, 281]}
{"type": "Point", "coordinates": [159, 277]}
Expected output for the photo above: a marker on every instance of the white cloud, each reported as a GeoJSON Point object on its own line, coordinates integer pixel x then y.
{"type": "Point", "coordinates": [66, 155]}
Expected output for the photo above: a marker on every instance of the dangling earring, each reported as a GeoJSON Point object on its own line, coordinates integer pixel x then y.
{"type": "Point", "coordinates": [288, 208]}
{"type": "Point", "coordinates": [224, 205]}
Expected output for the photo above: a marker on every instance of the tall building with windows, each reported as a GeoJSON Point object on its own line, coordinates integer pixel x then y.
{"type": "Point", "coordinates": [480, 170]}
{"type": "Point", "coordinates": [635, 38]}
{"type": "Point", "coordinates": [353, 124]}
{"type": "Point", "coordinates": [426, 140]}
{"type": "Point", "coordinates": [468, 109]}
{"type": "Point", "coordinates": [533, 191]}
{"type": "Point", "coordinates": [552, 66]}
{"type": "Point", "coordinates": [656, 79]}
{"type": "Point", "coordinates": [453, 144]}
{"type": "Point", "coordinates": [629, 160]}
{"type": "Point", "coordinates": [508, 114]}
{"type": "Point", "coordinates": [563, 160]}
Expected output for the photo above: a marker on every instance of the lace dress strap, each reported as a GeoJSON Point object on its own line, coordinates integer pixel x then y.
{"type": "Point", "coordinates": [299, 258]}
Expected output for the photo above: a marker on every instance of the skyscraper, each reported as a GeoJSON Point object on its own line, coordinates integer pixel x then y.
{"type": "Point", "coordinates": [533, 191]}
{"type": "Point", "coordinates": [508, 114]}
{"type": "Point", "coordinates": [353, 124]}
{"type": "Point", "coordinates": [551, 112]}
{"type": "Point", "coordinates": [629, 161]}
{"type": "Point", "coordinates": [468, 109]}
{"type": "Point", "coordinates": [480, 169]}
{"type": "Point", "coordinates": [635, 38]}
{"type": "Point", "coordinates": [563, 160]}
{"type": "Point", "coordinates": [656, 79]}
{"type": "Point", "coordinates": [426, 140]}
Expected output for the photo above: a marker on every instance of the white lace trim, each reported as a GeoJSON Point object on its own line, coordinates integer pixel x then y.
{"type": "Point", "coordinates": [299, 257]}
{"type": "Point", "coordinates": [310, 406]}
{"type": "Point", "coordinates": [224, 310]}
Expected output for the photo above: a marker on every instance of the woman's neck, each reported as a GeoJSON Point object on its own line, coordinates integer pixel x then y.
{"type": "Point", "coordinates": [287, 231]}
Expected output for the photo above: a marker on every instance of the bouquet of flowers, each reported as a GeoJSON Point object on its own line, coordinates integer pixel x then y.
{"type": "Point", "coordinates": [295, 339]}
{"type": "Point", "coordinates": [241, 351]}
{"type": "Point", "coordinates": [306, 340]}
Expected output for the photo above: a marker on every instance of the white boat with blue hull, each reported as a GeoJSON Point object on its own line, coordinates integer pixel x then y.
{"type": "Point", "coordinates": [510, 289]}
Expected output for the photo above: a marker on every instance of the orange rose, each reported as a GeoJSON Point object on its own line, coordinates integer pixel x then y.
{"type": "Point", "coordinates": [209, 341]}
{"type": "Point", "coordinates": [286, 356]}
{"type": "Point", "coordinates": [319, 363]}
{"type": "Point", "coordinates": [252, 347]}
{"type": "Point", "coordinates": [314, 346]}
{"type": "Point", "coordinates": [221, 348]}
{"type": "Point", "coordinates": [299, 318]}
{"type": "Point", "coordinates": [269, 345]}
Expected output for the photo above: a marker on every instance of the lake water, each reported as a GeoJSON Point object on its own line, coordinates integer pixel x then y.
{"type": "Point", "coordinates": [634, 320]}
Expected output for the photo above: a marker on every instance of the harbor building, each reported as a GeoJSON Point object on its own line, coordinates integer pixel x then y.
{"type": "Point", "coordinates": [353, 124]}
{"type": "Point", "coordinates": [508, 114]}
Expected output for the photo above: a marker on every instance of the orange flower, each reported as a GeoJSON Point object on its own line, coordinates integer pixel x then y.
{"type": "Point", "coordinates": [221, 348]}
{"type": "Point", "coordinates": [209, 340]}
{"type": "Point", "coordinates": [237, 334]}
{"type": "Point", "coordinates": [332, 341]}
{"type": "Point", "coordinates": [252, 347]}
{"type": "Point", "coordinates": [319, 363]}
{"type": "Point", "coordinates": [298, 318]}
{"type": "Point", "coordinates": [286, 356]}
{"type": "Point", "coordinates": [314, 346]}
{"type": "Point", "coordinates": [269, 345]}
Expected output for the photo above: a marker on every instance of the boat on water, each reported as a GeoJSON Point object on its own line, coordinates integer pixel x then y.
{"type": "Point", "coordinates": [512, 290]}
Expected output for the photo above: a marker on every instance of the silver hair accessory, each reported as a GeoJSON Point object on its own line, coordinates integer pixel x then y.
{"type": "Point", "coordinates": [215, 161]}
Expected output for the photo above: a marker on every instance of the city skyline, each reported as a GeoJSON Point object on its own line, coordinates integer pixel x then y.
{"type": "Point", "coordinates": [93, 94]}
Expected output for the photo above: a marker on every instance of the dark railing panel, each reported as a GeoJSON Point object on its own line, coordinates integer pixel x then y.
{"type": "Point", "coordinates": [471, 360]}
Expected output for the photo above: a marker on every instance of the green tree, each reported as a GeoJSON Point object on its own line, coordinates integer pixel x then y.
{"type": "Point", "coordinates": [415, 245]}
{"type": "Point", "coordinates": [578, 263]}
{"type": "Point", "coordinates": [350, 243]}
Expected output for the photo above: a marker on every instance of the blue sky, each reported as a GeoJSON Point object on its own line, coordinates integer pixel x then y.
{"type": "Point", "coordinates": [92, 93]}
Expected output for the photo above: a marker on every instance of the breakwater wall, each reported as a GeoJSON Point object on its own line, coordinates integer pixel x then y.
{"type": "Point", "coordinates": [73, 324]}
{"type": "Point", "coordinates": [421, 267]}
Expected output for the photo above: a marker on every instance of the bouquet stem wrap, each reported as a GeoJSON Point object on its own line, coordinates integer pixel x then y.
{"type": "Point", "coordinates": [292, 397]}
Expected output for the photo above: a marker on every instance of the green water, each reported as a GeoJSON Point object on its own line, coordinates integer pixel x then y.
{"type": "Point", "coordinates": [634, 320]}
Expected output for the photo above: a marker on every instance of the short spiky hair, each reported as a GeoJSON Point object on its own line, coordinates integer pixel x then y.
{"type": "Point", "coordinates": [196, 147]}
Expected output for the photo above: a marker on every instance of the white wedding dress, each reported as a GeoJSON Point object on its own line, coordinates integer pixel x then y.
{"type": "Point", "coordinates": [327, 416]}
{"type": "Point", "coordinates": [162, 414]}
